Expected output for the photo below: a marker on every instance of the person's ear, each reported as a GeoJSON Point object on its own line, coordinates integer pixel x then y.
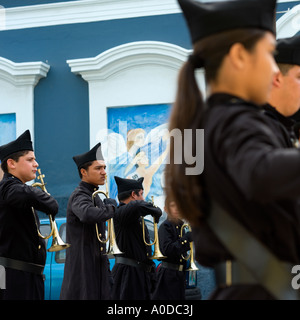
{"type": "Point", "coordinates": [238, 56]}
{"type": "Point", "coordinates": [133, 195]}
{"type": "Point", "coordinates": [11, 164]}
{"type": "Point", "coordinates": [83, 172]}
{"type": "Point", "coordinates": [277, 80]}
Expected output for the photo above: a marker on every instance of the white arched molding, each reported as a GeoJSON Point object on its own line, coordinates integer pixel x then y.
{"type": "Point", "coordinates": [289, 24]}
{"type": "Point", "coordinates": [137, 73]}
{"type": "Point", "coordinates": [17, 82]}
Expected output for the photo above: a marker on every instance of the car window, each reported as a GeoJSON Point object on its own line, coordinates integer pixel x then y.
{"type": "Point", "coordinates": [45, 230]}
{"type": "Point", "coordinates": [150, 227]}
{"type": "Point", "coordinates": [60, 256]}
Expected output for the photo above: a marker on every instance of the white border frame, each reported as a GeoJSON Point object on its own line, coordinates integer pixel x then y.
{"type": "Point", "coordinates": [289, 24]}
{"type": "Point", "coordinates": [17, 82]}
{"type": "Point", "coordinates": [86, 11]}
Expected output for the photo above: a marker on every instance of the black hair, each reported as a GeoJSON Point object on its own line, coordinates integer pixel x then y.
{"type": "Point", "coordinates": [14, 156]}
{"type": "Point", "coordinates": [84, 166]}
{"type": "Point", "coordinates": [126, 194]}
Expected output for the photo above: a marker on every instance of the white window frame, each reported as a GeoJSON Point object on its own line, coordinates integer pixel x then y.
{"type": "Point", "coordinates": [136, 73]}
{"type": "Point", "coordinates": [17, 82]}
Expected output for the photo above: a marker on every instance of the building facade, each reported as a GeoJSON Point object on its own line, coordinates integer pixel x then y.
{"type": "Point", "coordinates": [79, 72]}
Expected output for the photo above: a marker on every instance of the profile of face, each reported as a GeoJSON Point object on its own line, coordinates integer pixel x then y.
{"type": "Point", "coordinates": [291, 89]}
{"type": "Point", "coordinates": [260, 68]}
{"type": "Point", "coordinates": [25, 168]}
{"type": "Point", "coordinates": [139, 196]}
{"type": "Point", "coordinates": [172, 210]}
{"type": "Point", "coordinates": [95, 173]}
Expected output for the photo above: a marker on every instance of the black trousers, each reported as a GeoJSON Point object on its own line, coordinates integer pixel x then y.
{"type": "Point", "coordinates": [22, 285]}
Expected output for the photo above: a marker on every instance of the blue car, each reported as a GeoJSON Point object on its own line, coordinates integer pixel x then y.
{"type": "Point", "coordinates": [55, 263]}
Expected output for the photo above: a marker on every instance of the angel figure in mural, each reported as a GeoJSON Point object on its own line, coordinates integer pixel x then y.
{"type": "Point", "coordinates": [144, 169]}
{"type": "Point", "coordinates": [135, 140]}
{"type": "Point", "coordinates": [131, 158]}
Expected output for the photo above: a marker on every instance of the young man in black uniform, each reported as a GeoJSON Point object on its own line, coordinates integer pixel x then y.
{"type": "Point", "coordinates": [284, 100]}
{"type": "Point", "coordinates": [22, 251]}
{"type": "Point", "coordinates": [87, 272]}
{"type": "Point", "coordinates": [134, 272]}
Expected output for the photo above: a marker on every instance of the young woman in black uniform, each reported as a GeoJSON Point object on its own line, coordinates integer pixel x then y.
{"type": "Point", "coordinates": [248, 172]}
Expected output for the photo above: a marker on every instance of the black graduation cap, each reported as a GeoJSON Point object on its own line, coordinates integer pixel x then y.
{"type": "Point", "coordinates": [94, 154]}
{"type": "Point", "coordinates": [205, 19]}
{"type": "Point", "coordinates": [128, 184]}
{"type": "Point", "coordinates": [288, 50]}
{"type": "Point", "coordinates": [22, 143]}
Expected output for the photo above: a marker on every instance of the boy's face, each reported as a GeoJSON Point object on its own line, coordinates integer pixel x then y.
{"type": "Point", "coordinates": [172, 210]}
{"type": "Point", "coordinates": [25, 168]}
{"type": "Point", "coordinates": [95, 173]}
{"type": "Point", "coordinates": [291, 87]}
{"type": "Point", "coordinates": [139, 196]}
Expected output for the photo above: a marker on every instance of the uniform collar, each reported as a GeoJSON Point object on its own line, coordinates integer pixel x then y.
{"type": "Point", "coordinates": [88, 186]}
{"type": "Point", "coordinates": [273, 113]}
{"type": "Point", "coordinates": [10, 176]}
{"type": "Point", "coordinates": [218, 99]}
{"type": "Point", "coordinates": [176, 223]}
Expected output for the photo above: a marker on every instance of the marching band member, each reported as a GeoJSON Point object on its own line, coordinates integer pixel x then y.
{"type": "Point", "coordinates": [171, 282]}
{"type": "Point", "coordinates": [133, 273]}
{"type": "Point", "coordinates": [22, 251]}
{"type": "Point", "coordinates": [284, 100]}
{"type": "Point", "coordinates": [250, 183]}
{"type": "Point", "coordinates": [87, 273]}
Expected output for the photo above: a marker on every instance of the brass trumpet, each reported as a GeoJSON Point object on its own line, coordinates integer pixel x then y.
{"type": "Point", "coordinates": [57, 242]}
{"type": "Point", "coordinates": [111, 236]}
{"type": "Point", "coordinates": [157, 253]}
{"type": "Point", "coordinates": [190, 256]}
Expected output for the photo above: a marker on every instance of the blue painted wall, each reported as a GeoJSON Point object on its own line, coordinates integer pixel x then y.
{"type": "Point", "coordinates": [21, 3]}
{"type": "Point", "coordinates": [61, 106]}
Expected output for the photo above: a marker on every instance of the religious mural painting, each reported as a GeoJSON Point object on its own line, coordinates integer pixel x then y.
{"type": "Point", "coordinates": [138, 146]}
{"type": "Point", "coordinates": [7, 130]}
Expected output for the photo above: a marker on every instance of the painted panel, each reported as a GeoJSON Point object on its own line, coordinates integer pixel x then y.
{"type": "Point", "coordinates": [7, 128]}
{"type": "Point", "coordinates": [138, 147]}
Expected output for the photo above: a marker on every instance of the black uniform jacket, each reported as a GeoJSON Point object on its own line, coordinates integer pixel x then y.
{"type": "Point", "coordinates": [170, 283]}
{"type": "Point", "coordinates": [87, 273]}
{"type": "Point", "coordinates": [284, 124]}
{"type": "Point", "coordinates": [253, 175]}
{"type": "Point", "coordinates": [19, 239]}
{"type": "Point", "coordinates": [131, 282]}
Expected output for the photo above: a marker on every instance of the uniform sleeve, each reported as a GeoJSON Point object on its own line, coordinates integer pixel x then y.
{"type": "Point", "coordinates": [169, 245]}
{"type": "Point", "coordinates": [256, 162]}
{"type": "Point", "coordinates": [23, 196]}
{"type": "Point", "coordinates": [135, 209]}
{"type": "Point", "coordinates": [86, 212]}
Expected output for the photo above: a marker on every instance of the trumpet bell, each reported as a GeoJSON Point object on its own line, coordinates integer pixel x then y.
{"type": "Point", "coordinates": [57, 245]}
{"type": "Point", "coordinates": [157, 255]}
{"type": "Point", "coordinates": [57, 242]}
{"type": "Point", "coordinates": [192, 267]}
{"type": "Point", "coordinates": [113, 250]}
